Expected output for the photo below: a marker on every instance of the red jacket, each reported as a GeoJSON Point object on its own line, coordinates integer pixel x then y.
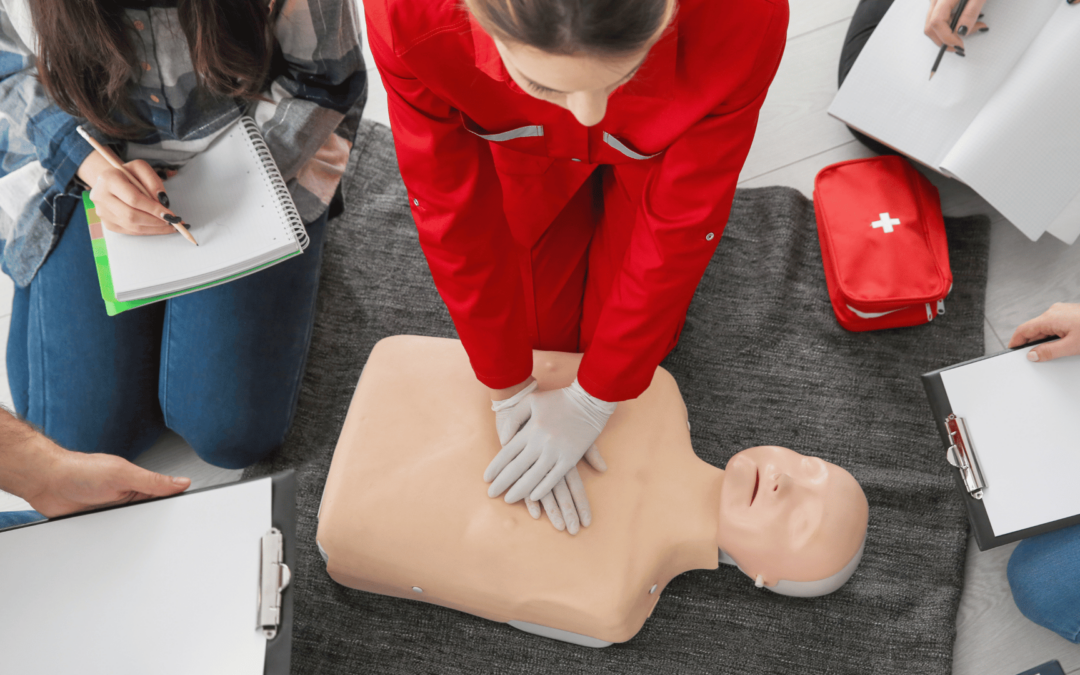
{"type": "Point", "coordinates": [486, 164]}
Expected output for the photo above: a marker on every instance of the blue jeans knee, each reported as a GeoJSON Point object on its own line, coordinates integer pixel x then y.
{"type": "Point", "coordinates": [1044, 574]}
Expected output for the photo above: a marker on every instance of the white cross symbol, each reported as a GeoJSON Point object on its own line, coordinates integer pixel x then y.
{"type": "Point", "coordinates": [885, 222]}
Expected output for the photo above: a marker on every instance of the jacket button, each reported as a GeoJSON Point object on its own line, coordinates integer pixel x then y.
{"type": "Point", "coordinates": [709, 236]}
{"type": "Point", "coordinates": [574, 159]}
{"type": "Point", "coordinates": [155, 99]}
{"type": "Point", "coordinates": [416, 202]}
{"type": "Point", "coordinates": [139, 25]}
{"type": "Point", "coordinates": [146, 66]}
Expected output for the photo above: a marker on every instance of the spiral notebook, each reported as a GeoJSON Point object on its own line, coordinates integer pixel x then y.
{"type": "Point", "coordinates": [240, 212]}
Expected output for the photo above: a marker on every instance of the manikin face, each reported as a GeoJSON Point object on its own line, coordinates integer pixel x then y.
{"type": "Point", "coordinates": [787, 516]}
{"type": "Point", "coordinates": [577, 82]}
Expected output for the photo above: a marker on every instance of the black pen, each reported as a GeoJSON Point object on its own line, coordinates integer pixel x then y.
{"type": "Point", "coordinates": [955, 20]}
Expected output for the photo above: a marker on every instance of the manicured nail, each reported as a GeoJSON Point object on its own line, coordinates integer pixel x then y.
{"type": "Point", "coordinates": [961, 31]}
{"type": "Point", "coordinates": [981, 16]}
{"type": "Point", "coordinates": [1034, 355]}
{"type": "Point", "coordinates": [986, 28]}
{"type": "Point", "coordinates": [163, 198]}
{"type": "Point", "coordinates": [171, 219]}
{"type": "Point", "coordinates": [960, 52]}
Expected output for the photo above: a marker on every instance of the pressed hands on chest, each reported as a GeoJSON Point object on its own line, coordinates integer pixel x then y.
{"type": "Point", "coordinates": [543, 435]}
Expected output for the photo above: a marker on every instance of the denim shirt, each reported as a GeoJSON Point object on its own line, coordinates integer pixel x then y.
{"type": "Point", "coordinates": [316, 97]}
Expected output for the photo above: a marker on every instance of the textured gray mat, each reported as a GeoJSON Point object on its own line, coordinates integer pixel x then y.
{"type": "Point", "coordinates": [761, 361]}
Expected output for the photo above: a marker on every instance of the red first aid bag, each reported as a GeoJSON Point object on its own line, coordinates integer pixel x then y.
{"type": "Point", "coordinates": [883, 243]}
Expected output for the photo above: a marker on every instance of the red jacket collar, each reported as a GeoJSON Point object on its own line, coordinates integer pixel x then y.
{"type": "Point", "coordinates": [655, 79]}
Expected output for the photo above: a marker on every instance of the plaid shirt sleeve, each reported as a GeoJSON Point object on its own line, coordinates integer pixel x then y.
{"type": "Point", "coordinates": [317, 93]}
{"type": "Point", "coordinates": [40, 151]}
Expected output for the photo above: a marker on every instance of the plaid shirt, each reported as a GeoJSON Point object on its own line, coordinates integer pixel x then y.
{"type": "Point", "coordinates": [309, 125]}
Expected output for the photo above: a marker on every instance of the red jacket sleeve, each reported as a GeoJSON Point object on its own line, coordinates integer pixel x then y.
{"type": "Point", "coordinates": [456, 201]}
{"type": "Point", "coordinates": [684, 208]}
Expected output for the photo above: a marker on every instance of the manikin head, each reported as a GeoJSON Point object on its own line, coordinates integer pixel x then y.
{"type": "Point", "coordinates": [571, 53]}
{"type": "Point", "coordinates": [795, 524]}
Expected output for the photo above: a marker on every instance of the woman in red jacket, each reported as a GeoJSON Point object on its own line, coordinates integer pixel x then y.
{"type": "Point", "coordinates": [570, 165]}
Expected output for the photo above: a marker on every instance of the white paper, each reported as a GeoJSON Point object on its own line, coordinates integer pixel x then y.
{"type": "Point", "coordinates": [1066, 226]}
{"type": "Point", "coordinates": [888, 94]}
{"type": "Point", "coordinates": [1022, 151]}
{"type": "Point", "coordinates": [1024, 422]}
{"type": "Point", "coordinates": [225, 195]}
{"type": "Point", "coordinates": [167, 587]}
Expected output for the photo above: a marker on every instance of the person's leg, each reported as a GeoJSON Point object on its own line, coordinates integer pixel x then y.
{"type": "Point", "coordinates": [1044, 573]}
{"type": "Point", "coordinates": [86, 379]}
{"type": "Point", "coordinates": [867, 16]}
{"type": "Point", "coordinates": [232, 358]}
{"type": "Point", "coordinates": [554, 273]}
{"type": "Point", "coordinates": [13, 518]}
{"type": "Point", "coordinates": [18, 370]}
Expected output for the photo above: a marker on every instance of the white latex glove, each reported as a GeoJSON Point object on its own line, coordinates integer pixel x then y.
{"type": "Point", "coordinates": [561, 426]}
{"type": "Point", "coordinates": [567, 505]}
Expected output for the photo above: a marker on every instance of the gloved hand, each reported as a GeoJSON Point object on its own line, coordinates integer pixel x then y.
{"type": "Point", "coordinates": [560, 425]}
{"type": "Point", "coordinates": [567, 506]}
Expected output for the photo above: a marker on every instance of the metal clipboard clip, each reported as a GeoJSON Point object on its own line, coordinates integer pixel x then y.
{"type": "Point", "coordinates": [273, 579]}
{"type": "Point", "coordinates": [961, 454]}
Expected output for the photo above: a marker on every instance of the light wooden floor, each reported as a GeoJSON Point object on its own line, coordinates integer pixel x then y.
{"type": "Point", "coordinates": [795, 139]}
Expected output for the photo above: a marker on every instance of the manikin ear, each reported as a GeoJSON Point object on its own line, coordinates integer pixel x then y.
{"type": "Point", "coordinates": [804, 589]}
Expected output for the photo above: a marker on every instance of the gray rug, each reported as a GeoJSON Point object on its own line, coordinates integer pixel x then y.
{"type": "Point", "coordinates": [761, 361]}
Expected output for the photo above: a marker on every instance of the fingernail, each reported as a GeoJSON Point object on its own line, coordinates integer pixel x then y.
{"type": "Point", "coordinates": [1034, 355]}
{"type": "Point", "coordinates": [962, 31]}
{"type": "Point", "coordinates": [171, 219]}
{"type": "Point", "coordinates": [163, 198]}
{"type": "Point", "coordinates": [961, 52]}
{"type": "Point", "coordinates": [187, 226]}
{"type": "Point", "coordinates": [180, 481]}
{"type": "Point", "coordinates": [981, 15]}
{"type": "Point", "coordinates": [986, 28]}
{"type": "Point", "coordinates": [586, 519]}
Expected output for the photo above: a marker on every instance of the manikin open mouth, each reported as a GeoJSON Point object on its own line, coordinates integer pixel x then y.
{"type": "Point", "coordinates": [757, 481]}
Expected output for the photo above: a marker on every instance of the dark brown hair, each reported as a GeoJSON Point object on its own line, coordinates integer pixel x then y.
{"type": "Point", "coordinates": [595, 27]}
{"type": "Point", "coordinates": [87, 60]}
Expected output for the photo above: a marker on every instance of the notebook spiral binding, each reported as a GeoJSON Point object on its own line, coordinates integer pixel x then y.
{"type": "Point", "coordinates": [277, 183]}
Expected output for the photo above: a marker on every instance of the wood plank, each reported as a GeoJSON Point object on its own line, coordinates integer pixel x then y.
{"type": "Point", "coordinates": [800, 174]}
{"type": "Point", "coordinates": [172, 456]}
{"type": "Point", "coordinates": [810, 15]}
{"type": "Point", "coordinates": [793, 124]}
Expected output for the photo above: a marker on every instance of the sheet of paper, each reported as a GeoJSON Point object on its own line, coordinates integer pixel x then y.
{"type": "Point", "coordinates": [230, 206]}
{"type": "Point", "coordinates": [1066, 226]}
{"type": "Point", "coordinates": [167, 587]}
{"type": "Point", "coordinates": [1022, 151]}
{"type": "Point", "coordinates": [888, 95]}
{"type": "Point", "coordinates": [1023, 421]}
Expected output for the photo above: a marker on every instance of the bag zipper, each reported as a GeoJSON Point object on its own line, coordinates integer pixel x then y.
{"type": "Point", "coordinates": [930, 313]}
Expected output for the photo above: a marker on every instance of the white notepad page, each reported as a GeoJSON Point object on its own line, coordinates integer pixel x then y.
{"type": "Point", "coordinates": [1024, 421]}
{"type": "Point", "coordinates": [167, 587]}
{"type": "Point", "coordinates": [1022, 151]}
{"type": "Point", "coordinates": [227, 198]}
{"type": "Point", "coordinates": [888, 94]}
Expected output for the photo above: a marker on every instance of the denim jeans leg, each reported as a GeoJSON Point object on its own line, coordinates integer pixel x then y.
{"type": "Point", "coordinates": [1044, 573]}
{"type": "Point", "coordinates": [18, 370]}
{"type": "Point", "coordinates": [90, 379]}
{"type": "Point", "coordinates": [232, 358]}
{"type": "Point", "coordinates": [13, 518]}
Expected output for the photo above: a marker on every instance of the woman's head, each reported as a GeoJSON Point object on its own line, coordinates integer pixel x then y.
{"type": "Point", "coordinates": [87, 59]}
{"type": "Point", "coordinates": [573, 53]}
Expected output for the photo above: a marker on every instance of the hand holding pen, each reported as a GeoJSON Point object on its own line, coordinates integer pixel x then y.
{"type": "Point", "coordinates": [121, 194]}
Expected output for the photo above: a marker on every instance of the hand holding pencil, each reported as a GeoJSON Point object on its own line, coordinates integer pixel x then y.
{"type": "Point", "coordinates": [122, 194]}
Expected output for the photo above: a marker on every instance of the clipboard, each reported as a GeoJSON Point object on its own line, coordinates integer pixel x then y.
{"type": "Point", "coordinates": [273, 554]}
{"type": "Point", "coordinates": [962, 454]}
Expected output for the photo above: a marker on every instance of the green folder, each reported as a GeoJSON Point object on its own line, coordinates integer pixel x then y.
{"type": "Point", "coordinates": [101, 261]}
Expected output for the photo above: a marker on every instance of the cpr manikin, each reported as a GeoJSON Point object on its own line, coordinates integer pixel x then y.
{"type": "Point", "coordinates": [405, 512]}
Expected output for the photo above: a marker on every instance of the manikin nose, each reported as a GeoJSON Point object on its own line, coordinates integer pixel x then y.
{"type": "Point", "coordinates": [587, 107]}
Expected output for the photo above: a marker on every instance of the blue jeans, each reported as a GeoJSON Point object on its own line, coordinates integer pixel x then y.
{"type": "Point", "coordinates": [13, 518]}
{"type": "Point", "coordinates": [221, 367]}
{"type": "Point", "coordinates": [1044, 573]}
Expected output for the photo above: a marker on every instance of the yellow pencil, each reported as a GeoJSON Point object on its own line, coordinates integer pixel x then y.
{"type": "Point", "coordinates": [113, 160]}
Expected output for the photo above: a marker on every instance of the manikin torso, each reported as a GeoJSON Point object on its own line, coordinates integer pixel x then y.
{"type": "Point", "coordinates": [405, 511]}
